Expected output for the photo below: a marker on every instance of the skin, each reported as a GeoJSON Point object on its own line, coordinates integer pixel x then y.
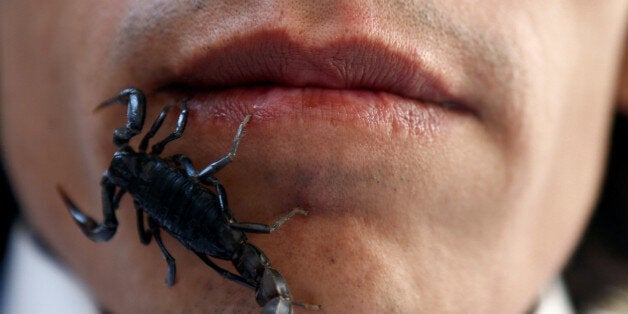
{"type": "Point", "coordinates": [479, 215]}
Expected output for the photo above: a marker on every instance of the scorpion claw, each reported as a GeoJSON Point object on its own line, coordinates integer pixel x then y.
{"type": "Point", "coordinates": [88, 226]}
{"type": "Point", "coordinates": [106, 103]}
{"type": "Point", "coordinates": [81, 219]}
{"type": "Point", "coordinates": [170, 275]}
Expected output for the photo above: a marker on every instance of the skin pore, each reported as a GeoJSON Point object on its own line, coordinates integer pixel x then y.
{"type": "Point", "coordinates": [466, 188]}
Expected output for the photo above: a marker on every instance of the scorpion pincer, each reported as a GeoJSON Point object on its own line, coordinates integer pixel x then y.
{"type": "Point", "coordinates": [175, 197]}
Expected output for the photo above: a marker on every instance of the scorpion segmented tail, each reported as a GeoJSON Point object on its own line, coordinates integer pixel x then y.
{"type": "Point", "coordinates": [271, 289]}
{"type": "Point", "coordinates": [273, 294]}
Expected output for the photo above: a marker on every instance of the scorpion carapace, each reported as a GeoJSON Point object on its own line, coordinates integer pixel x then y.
{"type": "Point", "coordinates": [176, 197]}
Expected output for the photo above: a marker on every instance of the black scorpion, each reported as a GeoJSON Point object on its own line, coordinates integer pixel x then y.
{"type": "Point", "coordinates": [174, 197]}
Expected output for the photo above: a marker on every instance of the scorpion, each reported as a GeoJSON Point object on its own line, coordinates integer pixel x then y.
{"type": "Point", "coordinates": [175, 197]}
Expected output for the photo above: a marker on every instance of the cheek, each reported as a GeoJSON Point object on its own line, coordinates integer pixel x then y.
{"type": "Point", "coordinates": [391, 219]}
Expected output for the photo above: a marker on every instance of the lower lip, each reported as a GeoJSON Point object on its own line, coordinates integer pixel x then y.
{"type": "Point", "coordinates": [360, 108]}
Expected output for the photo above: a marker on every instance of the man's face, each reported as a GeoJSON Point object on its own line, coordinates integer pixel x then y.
{"type": "Point", "coordinates": [448, 152]}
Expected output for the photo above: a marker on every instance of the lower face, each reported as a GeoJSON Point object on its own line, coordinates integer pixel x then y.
{"type": "Point", "coordinates": [414, 205]}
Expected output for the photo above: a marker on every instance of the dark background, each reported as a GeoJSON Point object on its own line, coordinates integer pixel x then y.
{"type": "Point", "coordinates": [8, 212]}
{"type": "Point", "coordinates": [8, 208]}
{"type": "Point", "coordinates": [600, 264]}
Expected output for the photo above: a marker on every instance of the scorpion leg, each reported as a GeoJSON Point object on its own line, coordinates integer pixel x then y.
{"type": "Point", "coordinates": [226, 159]}
{"type": "Point", "coordinates": [247, 226]}
{"type": "Point", "coordinates": [185, 161]}
{"type": "Point", "coordinates": [136, 111]}
{"type": "Point", "coordinates": [145, 236]}
{"type": "Point", "coordinates": [225, 273]}
{"type": "Point", "coordinates": [110, 200]}
{"type": "Point", "coordinates": [222, 198]}
{"type": "Point", "coordinates": [172, 270]}
{"type": "Point", "coordinates": [181, 122]}
{"type": "Point", "coordinates": [154, 128]}
{"type": "Point", "coordinates": [263, 228]}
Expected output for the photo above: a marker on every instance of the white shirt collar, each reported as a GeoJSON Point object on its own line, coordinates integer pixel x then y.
{"type": "Point", "coordinates": [555, 300]}
{"type": "Point", "coordinates": [34, 283]}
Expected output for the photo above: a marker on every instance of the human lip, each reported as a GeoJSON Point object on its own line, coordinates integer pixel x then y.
{"type": "Point", "coordinates": [271, 75]}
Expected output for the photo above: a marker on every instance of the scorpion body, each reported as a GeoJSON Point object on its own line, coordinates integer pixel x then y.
{"type": "Point", "coordinates": [174, 196]}
{"type": "Point", "coordinates": [170, 198]}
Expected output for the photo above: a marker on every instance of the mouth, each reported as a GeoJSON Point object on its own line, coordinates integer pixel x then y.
{"type": "Point", "coordinates": [272, 76]}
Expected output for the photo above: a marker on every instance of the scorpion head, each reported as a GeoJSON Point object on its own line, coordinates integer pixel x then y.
{"type": "Point", "coordinates": [123, 168]}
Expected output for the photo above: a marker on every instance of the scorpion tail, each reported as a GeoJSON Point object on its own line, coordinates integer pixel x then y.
{"type": "Point", "coordinates": [273, 294]}
{"type": "Point", "coordinates": [277, 305]}
{"type": "Point", "coordinates": [280, 305]}
{"type": "Point", "coordinates": [94, 231]}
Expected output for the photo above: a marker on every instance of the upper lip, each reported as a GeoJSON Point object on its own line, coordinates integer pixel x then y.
{"type": "Point", "coordinates": [273, 58]}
